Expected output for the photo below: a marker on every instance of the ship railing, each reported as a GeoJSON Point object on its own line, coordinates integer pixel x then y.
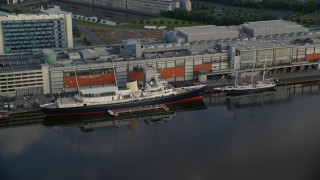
{"type": "Point", "coordinates": [48, 105]}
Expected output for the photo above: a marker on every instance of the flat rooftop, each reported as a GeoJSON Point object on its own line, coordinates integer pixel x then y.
{"type": "Point", "coordinates": [274, 24]}
{"type": "Point", "coordinates": [3, 13]}
{"type": "Point", "coordinates": [261, 44]}
{"type": "Point", "coordinates": [20, 68]}
{"type": "Point", "coordinates": [206, 29]}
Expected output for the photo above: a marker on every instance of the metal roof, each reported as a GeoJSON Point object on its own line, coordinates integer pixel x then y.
{"type": "Point", "coordinates": [274, 24]}
{"type": "Point", "coordinates": [261, 44]}
{"type": "Point", "coordinates": [210, 29]}
{"type": "Point", "coordinates": [3, 13]}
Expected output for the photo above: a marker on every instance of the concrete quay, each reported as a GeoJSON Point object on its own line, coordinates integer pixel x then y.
{"type": "Point", "coordinates": [30, 104]}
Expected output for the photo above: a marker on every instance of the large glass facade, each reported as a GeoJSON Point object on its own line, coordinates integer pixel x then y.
{"type": "Point", "coordinates": [25, 35]}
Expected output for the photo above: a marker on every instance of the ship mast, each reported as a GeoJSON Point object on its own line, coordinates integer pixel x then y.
{"type": "Point", "coordinates": [114, 73]}
{"type": "Point", "coordinates": [264, 66]}
{"type": "Point", "coordinates": [253, 65]}
{"type": "Point", "coordinates": [77, 81]}
{"type": "Point", "coordinates": [264, 70]}
{"type": "Point", "coordinates": [155, 71]}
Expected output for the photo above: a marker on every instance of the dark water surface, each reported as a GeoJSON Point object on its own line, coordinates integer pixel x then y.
{"type": "Point", "coordinates": [270, 136]}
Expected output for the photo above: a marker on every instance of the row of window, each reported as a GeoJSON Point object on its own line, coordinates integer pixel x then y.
{"type": "Point", "coordinates": [31, 24]}
{"type": "Point", "coordinates": [28, 34]}
{"type": "Point", "coordinates": [28, 25]}
{"type": "Point", "coordinates": [32, 21]}
{"type": "Point", "coordinates": [31, 29]}
{"type": "Point", "coordinates": [98, 95]}
{"type": "Point", "coordinates": [90, 72]}
{"type": "Point", "coordinates": [31, 34]}
{"type": "Point", "coordinates": [8, 90]}
{"type": "Point", "coordinates": [30, 43]}
{"type": "Point", "coordinates": [30, 46]}
{"type": "Point", "coordinates": [24, 49]}
{"type": "Point", "coordinates": [32, 38]}
{"type": "Point", "coordinates": [21, 85]}
{"type": "Point", "coordinates": [19, 78]}
{"type": "Point", "coordinates": [23, 74]}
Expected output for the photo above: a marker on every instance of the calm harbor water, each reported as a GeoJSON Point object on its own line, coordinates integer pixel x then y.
{"type": "Point", "coordinates": [267, 136]}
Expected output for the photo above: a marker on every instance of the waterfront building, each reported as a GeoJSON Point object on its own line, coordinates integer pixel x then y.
{"type": "Point", "coordinates": [68, 69]}
{"type": "Point", "coordinates": [21, 80]}
{"type": "Point", "coordinates": [202, 33]}
{"type": "Point", "coordinates": [140, 6]}
{"type": "Point", "coordinates": [24, 32]}
{"type": "Point", "coordinates": [273, 27]}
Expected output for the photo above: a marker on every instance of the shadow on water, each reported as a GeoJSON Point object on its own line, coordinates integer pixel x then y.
{"type": "Point", "coordinates": [86, 121]}
{"type": "Point", "coordinates": [281, 94]}
{"type": "Point", "coordinates": [149, 117]}
{"type": "Point", "coordinates": [233, 135]}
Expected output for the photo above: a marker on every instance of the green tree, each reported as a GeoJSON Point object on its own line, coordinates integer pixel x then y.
{"type": "Point", "coordinates": [310, 7]}
{"type": "Point", "coordinates": [212, 9]}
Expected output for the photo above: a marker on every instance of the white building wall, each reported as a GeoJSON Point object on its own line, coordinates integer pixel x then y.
{"type": "Point", "coordinates": [68, 30]}
{"type": "Point", "coordinates": [46, 79]}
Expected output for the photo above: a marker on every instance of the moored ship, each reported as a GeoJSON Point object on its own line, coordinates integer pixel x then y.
{"type": "Point", "coordinates": [101, 99]}
{"type": "Point", "coordinates": [248, 88]}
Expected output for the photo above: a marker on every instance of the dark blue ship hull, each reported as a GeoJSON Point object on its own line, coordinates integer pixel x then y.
{"type": "Point", "coordinates": [98, 109]}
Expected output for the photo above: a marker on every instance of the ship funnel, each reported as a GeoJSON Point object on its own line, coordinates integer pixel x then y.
{"type": "Point", "coordinates": [133, 86]}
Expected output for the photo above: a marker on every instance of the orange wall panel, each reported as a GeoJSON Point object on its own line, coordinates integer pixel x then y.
{"type": "Point", "coordinates": [89, 80]}
{"type": "Point", "coordinates": [172, 72]}
{"type": "Point", "coordinates": [136, 75]}
{"type": "Point", "coordinates": [312, 57]}
{"type": "Point", "coordinates": [207, 67]}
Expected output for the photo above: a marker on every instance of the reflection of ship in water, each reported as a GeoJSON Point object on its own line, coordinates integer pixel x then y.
{"type": "Point", "coordinates": [250, 100]}
{"type": "Point", "coordinates": [88, 123]}
{"type": "Point", "coordinates": [103, 122]}
{"type": "Point", "coordinates": [281, 94]}
{"type": "Point", "coordinates": [129, 119]}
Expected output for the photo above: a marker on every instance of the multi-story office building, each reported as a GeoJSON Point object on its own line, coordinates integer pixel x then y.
{"type": "Point", "coordinates": [19, 82]}
{"type": "Point", "coordinates": [140, 6]}
{"type": "Point", "coordinates": [24, 32]}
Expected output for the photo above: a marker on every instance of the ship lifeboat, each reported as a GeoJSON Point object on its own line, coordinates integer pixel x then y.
{"type": "Point", "coordinates": [110, 113]}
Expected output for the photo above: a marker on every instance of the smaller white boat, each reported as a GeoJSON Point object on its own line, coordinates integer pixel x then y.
{"type": "Point", "coordinates": [248, 88]}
